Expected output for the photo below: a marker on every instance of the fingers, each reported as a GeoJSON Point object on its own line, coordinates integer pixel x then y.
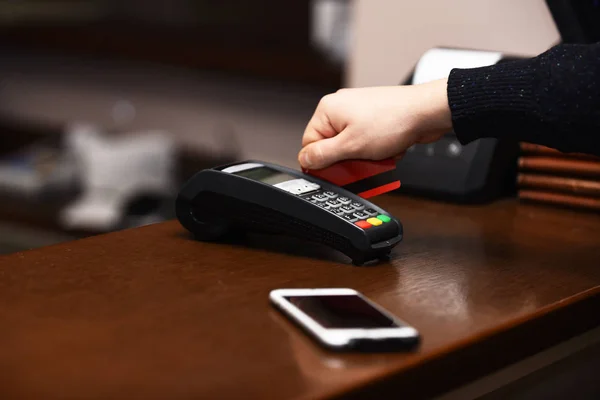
{"type": "Point", "coordinates": [318, 146]}
{"type": "Point", "coordinates": [315, 130]}
{"type": "Point", "coordinates": [319, 126]}
{"type": "Point", "coordinates": [323, 153]}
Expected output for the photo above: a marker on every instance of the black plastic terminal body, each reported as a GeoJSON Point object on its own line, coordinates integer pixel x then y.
{"type": "Point", "coordinates": [213, 204]}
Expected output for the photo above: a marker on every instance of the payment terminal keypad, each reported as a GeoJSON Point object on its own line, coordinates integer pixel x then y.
{"type": "Point", "coordinates": [370, 212]}
{"type": "Point", "coordinates": [320, 197]}
{"type": "Point", "coordinates": [323, 205]}
{"type": "Point", "coordinates": [350, 218]}
{"type": "Point", "coordinates": [352, 211]}
{"type": "Point", "coordinates": [348, 208]}
{"type": "Point", "coordinates": [334, 203]}
{"type": "Point", "coordinates": [361, 215]}
{"type": "Point", "coordinates": [344, 200]}
{"type": "Point", "coordinates": [357, 206]}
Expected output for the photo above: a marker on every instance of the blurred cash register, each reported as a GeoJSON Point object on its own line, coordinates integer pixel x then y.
{"type": "Point", "coordinates": [480, 171]}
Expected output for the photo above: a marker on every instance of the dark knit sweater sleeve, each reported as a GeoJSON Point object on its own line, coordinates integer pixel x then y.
{"type": "Point", "coordinates": [552, 99]}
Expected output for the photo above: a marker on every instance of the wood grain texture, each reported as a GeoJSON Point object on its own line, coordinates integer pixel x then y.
{"type": "Point", "coordinates": [560, 199]}
{"type": "Point", "coordinates": [150, 313]}
{"type": "Point", "coordinates": [560, 184]}
{"type": "Point", "coordinates": [571, 167]}
{"type": "Point", "coordinates": [539, 150]}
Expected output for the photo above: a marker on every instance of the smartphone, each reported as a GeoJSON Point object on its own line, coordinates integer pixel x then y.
{"type": "Point", "coordinates": [343, 319]}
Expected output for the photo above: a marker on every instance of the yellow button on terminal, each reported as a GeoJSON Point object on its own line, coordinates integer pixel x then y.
{"type": "Point", "coordinates": [375, 221]}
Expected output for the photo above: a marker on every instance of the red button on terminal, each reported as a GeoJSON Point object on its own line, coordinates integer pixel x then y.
{"type": "Point", "coordinates": [363, 224]}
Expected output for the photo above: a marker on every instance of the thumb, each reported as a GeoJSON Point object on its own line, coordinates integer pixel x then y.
{"type": "Point", "coordinates": [322, 153]}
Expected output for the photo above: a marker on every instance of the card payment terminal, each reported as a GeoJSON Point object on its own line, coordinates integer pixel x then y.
{"type": "Point", "coordinates": [255, 196]}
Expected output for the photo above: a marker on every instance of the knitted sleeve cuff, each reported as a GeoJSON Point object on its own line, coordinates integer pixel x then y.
{"type": "Point", "coordinates": [491, 101]}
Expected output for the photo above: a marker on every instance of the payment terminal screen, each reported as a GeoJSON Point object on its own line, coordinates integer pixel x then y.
{"type": "Point", "coordinates": [265, 175]}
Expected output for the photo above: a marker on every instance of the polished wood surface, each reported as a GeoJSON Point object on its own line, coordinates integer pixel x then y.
{"type": "Point", "coordinates": [151, 313]}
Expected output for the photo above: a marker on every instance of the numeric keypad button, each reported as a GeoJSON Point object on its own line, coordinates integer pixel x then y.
{"type": "Point", "coordinates": [361, 215]}
{"type": "Point", "coordinates": [333, 203]}
{"type": "Point", "coordinates": [323, 205]}
{"type": "Point", "coordinates": [371, 212]}
{"type": "Point", "coordinates": [330, 194]}
{"type": "Point", "coordinates": [358, 206]}
{"type": "Point", "coordinates": [350, 218]}
{"type": "Point", "coordinates": [320, 197]}
{"type": "Point", "coordinates": [344, 200]}
{"type": "Point", "coordinates": [347, 209]}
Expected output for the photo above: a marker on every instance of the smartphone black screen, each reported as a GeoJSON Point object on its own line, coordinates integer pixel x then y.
{"type": "Point", "coordinates": [342, 311]}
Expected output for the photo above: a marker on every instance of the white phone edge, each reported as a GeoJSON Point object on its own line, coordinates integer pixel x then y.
{"type": "Point", "coordinates": [339, 338]}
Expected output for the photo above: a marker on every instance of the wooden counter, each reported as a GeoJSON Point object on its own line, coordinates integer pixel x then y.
{"type": "Point", "coordinates": [150, 313]}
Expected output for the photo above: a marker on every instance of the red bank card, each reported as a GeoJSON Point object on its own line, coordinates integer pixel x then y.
{"type": "Point", "coordinates": [364, 178]}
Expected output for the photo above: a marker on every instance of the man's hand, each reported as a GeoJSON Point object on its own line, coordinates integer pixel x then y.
{"type": "Point", "coordinates": [374, 123]}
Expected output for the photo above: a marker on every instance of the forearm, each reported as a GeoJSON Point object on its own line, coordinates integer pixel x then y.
{"type": "Point", "coordinates": [552, 99]}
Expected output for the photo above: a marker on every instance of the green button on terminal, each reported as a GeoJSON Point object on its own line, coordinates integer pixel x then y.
{"type": "Point", "coordinates": [384, 218]}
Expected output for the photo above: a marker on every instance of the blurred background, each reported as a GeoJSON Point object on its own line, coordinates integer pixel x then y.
{"type": "Point", "coordinates": [107, 106]}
